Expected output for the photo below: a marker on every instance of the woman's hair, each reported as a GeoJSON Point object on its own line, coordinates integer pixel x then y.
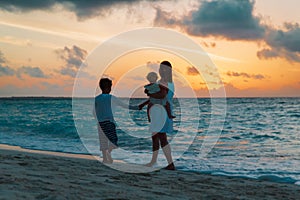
{"type": "Point", "coordinates": [165, 71]}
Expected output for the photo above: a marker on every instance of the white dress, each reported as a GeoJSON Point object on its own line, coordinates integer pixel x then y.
{"type": "Point", "coordinates": [160, 122]}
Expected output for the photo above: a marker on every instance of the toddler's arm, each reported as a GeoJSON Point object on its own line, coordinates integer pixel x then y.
{"type": "Point", "coordinates": [161, 94]}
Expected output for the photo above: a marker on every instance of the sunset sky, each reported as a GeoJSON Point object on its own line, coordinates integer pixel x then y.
{"type": "Point", "coordinates": [255, 45]}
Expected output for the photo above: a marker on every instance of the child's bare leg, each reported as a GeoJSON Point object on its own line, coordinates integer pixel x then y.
{"type": "Point", "coordinates": [105, 158]}
{"type": "Point", "coordinates": [111, 147]}
{"type": "Point", "coordinates": [109, 158]}
{"type": "Point", "coordinates": [168, 109]}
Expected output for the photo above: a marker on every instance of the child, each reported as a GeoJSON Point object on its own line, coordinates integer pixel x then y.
{"type": "Point", "coordinates": [153, 88]}
{"type": "Point", "coordinates": [103, 112]}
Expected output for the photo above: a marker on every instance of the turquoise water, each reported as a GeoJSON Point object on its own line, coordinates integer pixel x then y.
{"type": "Point", "coordinates": [260, 138]}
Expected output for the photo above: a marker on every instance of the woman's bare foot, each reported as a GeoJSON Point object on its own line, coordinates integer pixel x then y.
{"type": "Point", "coordinates": [150, 164]}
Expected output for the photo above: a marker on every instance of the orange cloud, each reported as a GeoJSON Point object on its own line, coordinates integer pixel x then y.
{"type": "Point", "coordinates": [232, 91]}
{"type": "Point", "coordinates": [192, 71]}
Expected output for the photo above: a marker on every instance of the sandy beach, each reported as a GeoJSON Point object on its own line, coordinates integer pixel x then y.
{"type": "Point", "coordinates": [27, 174]}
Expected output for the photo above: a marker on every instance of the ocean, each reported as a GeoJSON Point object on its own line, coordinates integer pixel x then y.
{"type": "Point", "coordinates": [259, 137]}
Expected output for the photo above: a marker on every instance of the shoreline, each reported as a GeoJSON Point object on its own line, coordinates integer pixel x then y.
{"type": "Point", "coordinates": [138, 168]}
{"type": "Point", "coordinates": [45, 152]}
{"type": "Point", "coordinates": [40, 175]}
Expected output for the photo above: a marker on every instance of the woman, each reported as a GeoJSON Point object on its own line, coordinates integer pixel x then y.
{"type": "Point", "coordinates": [159, 136]}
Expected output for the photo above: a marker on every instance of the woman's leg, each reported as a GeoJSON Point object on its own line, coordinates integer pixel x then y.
{"type": "Point", "coordinates": [166, 149]}
{"type": "Point", "coordinates": [155, 149]}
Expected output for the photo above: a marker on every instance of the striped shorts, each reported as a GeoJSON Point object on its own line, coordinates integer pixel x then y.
{"type": "Point", "coordinates": [107, 135]}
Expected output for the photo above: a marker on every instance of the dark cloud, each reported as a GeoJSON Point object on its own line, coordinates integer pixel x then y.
{"type": "Point", "coordinates": [19, 5]}
{"type": "Point", "coordinates": [230, 19]}
{"type": "Point", "coordinates": [83, 9]}
{"type": "Point", "coordinates": [68, 72]}
{"type": "Point", "coordinates": [246, 75]}
{"type": "Point", "coordinates": [278, 53]}
{"type": "Point", "coordinates": [72, 56]}
{"type": "Point", "coordinates": [267, 53]}
{"type": "Point", "coordinates": [192, 71]}
{"type": "Point", "coordinates": [289, 40]}
{"type": "Point", "coordinates": [283, 43]}
{"type": "Point", "coordinates": [73, 59]}
{"type": "Point", "coordinates": [6, 71]}
{"type": "Point", "coordinates": [290, 26]}
{"type": "Point", "coordinates": [234, 20]}
{"type": "Point", "coordinates": [35, 72]}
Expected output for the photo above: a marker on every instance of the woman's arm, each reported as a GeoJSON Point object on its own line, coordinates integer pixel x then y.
{"type": "Point", "coordinates": [161, 94]}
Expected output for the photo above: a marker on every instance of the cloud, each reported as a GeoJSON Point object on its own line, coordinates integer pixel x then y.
{"type": "Point", "coordinates": [73, 59]}
{"type": "Point", "coordinates": [211, 44]}
{"type": "Point", "coordinates": [153, 66]}
{"type": "Point", "coordinates": [86, 75]}
{"type": "Point", "coordinates": [6, 71]}
{"type": "Point", "coordinates": [40, 89]}
{"type": "Point", "coordinates": [82, 9]}
{"type": "Point", "coordinates": [192, 71]}
{"type": "Point", "coordinates": [230, 19]}
{"type": "Point", "coordinates": [289, 39]}
{"type": "Point", "coordinates": [234, 20]}
{"type": "Point", "coordinates": [267, 54]}
{"type": "Point", "coordinates": [246, 75]}
{"type": "Point", "coordinates": [72, 56]}
{"type": "Point", "coordinates": [233, 91]}
{"type": "Point", "coordinates": [2, 59]}
{"type": "Point", "coordinates": [68, 72]}
{"type": "Point", "coordinates": [35, 72]}
{"type": "Point", "coordinates": [282, 43]}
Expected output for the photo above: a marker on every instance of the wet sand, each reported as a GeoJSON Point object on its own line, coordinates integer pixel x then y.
{"type": "Point", "coordinates": [28, 174]}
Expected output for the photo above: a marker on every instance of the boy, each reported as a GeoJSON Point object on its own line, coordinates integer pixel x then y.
{"type": "Point", "coordinates": [153, 88]}
{"type": "Point", "coordinates": [103, 111]}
